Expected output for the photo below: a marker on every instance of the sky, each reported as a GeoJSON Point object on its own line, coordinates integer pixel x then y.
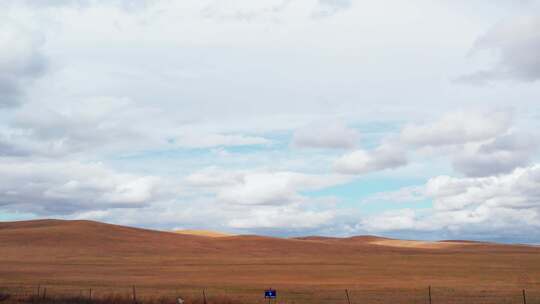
{"type": "Point", "coordinates": [411, 119]}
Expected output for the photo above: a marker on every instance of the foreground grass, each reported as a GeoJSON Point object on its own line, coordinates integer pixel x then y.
{"type": "Point", "coordinates": [379, 296]}
{"type": "Point", "coordinates": [6, 298]}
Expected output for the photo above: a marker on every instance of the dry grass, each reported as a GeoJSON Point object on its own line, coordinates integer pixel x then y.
{"type": "Point", "coordinates": [419, 244]}
{"type": "Point", "coordinates": [207, 233]}
{"type": "Point", "coordinates": [70, 256]}
{"type": "Point", "coordinates": [115, 299]}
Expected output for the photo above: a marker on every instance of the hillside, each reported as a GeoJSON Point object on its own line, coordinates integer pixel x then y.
{"type": "Point", "coordinates": [72, 255]}
{"type": "Point", "coordinates": [207, 233]}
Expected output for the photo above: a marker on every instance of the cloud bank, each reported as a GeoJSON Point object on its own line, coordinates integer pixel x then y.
{"type": "Point", "coordinates": [280, 117]}
{"type": "Point", "coordinates": [517, 42]}
{"type": "Point", "coordinates": [21, 62]}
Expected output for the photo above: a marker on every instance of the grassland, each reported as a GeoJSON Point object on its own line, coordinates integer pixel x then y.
{"type": "Point", "coordinates": [70, 257]}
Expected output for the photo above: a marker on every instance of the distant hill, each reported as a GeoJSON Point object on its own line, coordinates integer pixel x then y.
{"type": "Point", "coordinates": [207, 233]}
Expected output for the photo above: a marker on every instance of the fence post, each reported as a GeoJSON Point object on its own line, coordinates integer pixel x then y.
{"type": "Point", "coordinates": [134, 295]}
{"type": "Point", "coordinates": [347, 293]}
{"type": "Point", "coordinates": [44, 292]}
{"type": "Point", "coordinates": [524, 297]}
{"type": "Point", "coordinates": [90, 294]}
{"type": "Point", "coordinates": [204, 295]}
{"type": "Point", "coordinates": [429, 293]}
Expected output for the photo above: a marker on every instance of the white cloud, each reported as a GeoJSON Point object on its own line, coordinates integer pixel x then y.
{"type": "Point", "coordinates": [124, 4]}
{"type": "Point", "coordinates": [402, 195]}
{"type": "Point", "coordinates": [458, 128]}
{"type": "Point", "coordinates": [207, 213]}
{"type": "Point", "coordinates": [282, 217]}
{"type": "Point", "coordinates": [90, 125]}
{"type": "Point", "coordinates": [327, 134]}
{"type": "Point", "coordinates": [517, 42]}
{"type": "Point", "coordinates": [214, 177]}
{"type": "Point", "coordinates": [491, 207]}
{"type": "Point", "coordinates": [64, 187]}
{"type": "Point", "coordinates": [261, 187]}
{"type": "Point", "coordinates": [21, 61]}
{"type": "Point", "coordinates": [500, 155]}
{"type": "Point", "coordinates": [330, 7]}
{"type": "Point", "coordinates": [245, 11]}
{"type": "Point", "coordinates": [518, 189]}
{"type": "Point", "coordinates": [105, 124]}
{"type": "Point", "coordinates": [201, 140]}
{"type": "Point", "coordinates": [402, 219]}
{"type": "Point", "coordinates": [384, 157]}
{"type": "Point", "coordinates": [195, 213]}
{"type": "Point", "coordinates": [478, 143]}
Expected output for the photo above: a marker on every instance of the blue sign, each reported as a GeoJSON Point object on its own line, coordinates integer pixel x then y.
{"type": "Point", "coordinates": [270, 294]}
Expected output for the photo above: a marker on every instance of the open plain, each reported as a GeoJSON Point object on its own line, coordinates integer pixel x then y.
{"type": "Point", "coordinates": [70, 257]}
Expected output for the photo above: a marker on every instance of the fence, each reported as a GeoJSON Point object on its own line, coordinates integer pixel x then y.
{"type": "Point", "coordinates": [47, 294]}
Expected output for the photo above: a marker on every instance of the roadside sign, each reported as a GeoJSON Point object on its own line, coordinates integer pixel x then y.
{"type": "Point", "coordinates": [270, 294]}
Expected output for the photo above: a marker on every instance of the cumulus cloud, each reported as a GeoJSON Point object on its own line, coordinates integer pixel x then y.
{"type": "Point", "coordinates": [517, 41]}
{"type": "Point", "coordinates": [298, 219]}
{"type": "Point", "coordinates": [279, 188]}
{"type": "Point", "coordinates": [91, 124]}
{"type": "Point", "coordinates": [282, 217]}
{"type": "Point", "coordinates": [394, 220]}
{"type": "Point", "coordinates": [384, 157]}
{"type": "Point", "coordinates": [21, 62]}
{"type": "Point", "coordinates": [255, 201]}
{"type": "Point", "coordinates": [518, 189]}
{"type": "Point", "coordinates": [261, 187]}
{"type": "Point", "coordinates": [65, 187]}
{"type": "Point", "coordinates": [494, 207]}
{"type": "Point", "coordinates": [458, 128]}
{"type": "Point", "coordinates": [501, 155]}
{"type": "Point", "coordinates": [329, 134]}
{"type": "Point", "coordinates": [477, 143]}
{"type": "Point", "coordinates": [105, 124]}
{"type": "Point", "coordinates": [213, 177]}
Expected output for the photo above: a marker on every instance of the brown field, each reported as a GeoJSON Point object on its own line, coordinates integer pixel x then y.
{"type": "Point", "coordinates": [70, 257]}
{"type": "Point", "coordinates": [207, 233]}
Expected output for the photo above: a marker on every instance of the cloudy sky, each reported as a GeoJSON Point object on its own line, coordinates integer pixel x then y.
{"type": "Point", "coordinates": [414, 119]}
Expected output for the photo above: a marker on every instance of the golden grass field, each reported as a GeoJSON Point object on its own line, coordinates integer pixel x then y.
{"type": "Point", "coordinates": [203, 233]}
{"type": "Point", "coordinates": [70, 257]}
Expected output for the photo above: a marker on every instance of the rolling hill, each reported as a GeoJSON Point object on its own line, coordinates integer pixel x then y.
{"type": "Point", "coordinates": [69, 256]}
{"type": "Point", "coordinates": [207, 233]}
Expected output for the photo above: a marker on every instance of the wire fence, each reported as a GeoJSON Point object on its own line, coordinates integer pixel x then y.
{"type": "Point", "coordinates": [48, 294]}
